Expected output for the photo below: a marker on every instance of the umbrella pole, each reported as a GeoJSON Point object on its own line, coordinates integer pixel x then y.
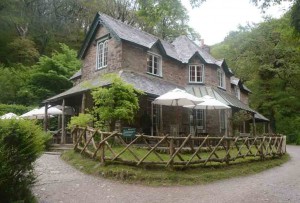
{"type": "Point", "coordinates": [46, 117]}
{"type": "Point", "coordinates": [151, 118]}
{"type": "Point", "coordinates": [177, 117]}
{"type": "Point", "coordinates": [63, 130]}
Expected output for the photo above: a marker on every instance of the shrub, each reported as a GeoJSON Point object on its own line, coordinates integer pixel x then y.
{"type": "Point", "coordinates": [21, 143]}
{"type": "Point", "coordinates": [14, 108]}
{"type": "Point", "coordinates": [81, 120]}
{"type": "Point", "coordinates": [119, 102]}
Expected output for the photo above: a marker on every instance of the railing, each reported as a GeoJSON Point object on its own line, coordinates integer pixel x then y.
{"type": "Point", "coordinates": [172, 151]}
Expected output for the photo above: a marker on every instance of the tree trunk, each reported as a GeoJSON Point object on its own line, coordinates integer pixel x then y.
{"type": "Point", "coordinates": [112, 125]}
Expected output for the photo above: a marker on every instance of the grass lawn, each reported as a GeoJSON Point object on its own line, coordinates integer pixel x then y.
{"type": "Point", "coordinates": [160, 175]}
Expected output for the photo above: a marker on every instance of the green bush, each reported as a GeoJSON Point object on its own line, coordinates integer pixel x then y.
{"type": "Point", "coordinates": [81, 120]}
{"type": "Point", "coordinates": [14, 108]}
{"type": "Point", "coordinates": [21, 143]}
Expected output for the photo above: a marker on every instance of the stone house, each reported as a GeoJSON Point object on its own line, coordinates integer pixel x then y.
{"type": "Point", "coordinates": [156, 66]}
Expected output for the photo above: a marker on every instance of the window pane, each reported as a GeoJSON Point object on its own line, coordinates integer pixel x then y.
{"type": "Point", "coordinates": [105, 52]}
{"type": "Point", "coordinates": [100, 54]}
{"type": "Point", "coordinates": [149, 63]}
{"type": "Point", "coordinates": [199, 73]}
{"type": "Point", "coordinates": [192, 73]}
{"type": "Point", "coordinates": [154, 64]}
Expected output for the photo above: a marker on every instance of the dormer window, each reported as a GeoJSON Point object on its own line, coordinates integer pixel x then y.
{"type": "Point", "coordinates": [221, 79]}
{"type": "Point", "coordinates": [102, 51]}
{"type": "Point", "coordinates": [196, 73]}
{"type": "Point", "coordinates": [154, 64]}
{"type": "Point", "coordinates": [237, 92]}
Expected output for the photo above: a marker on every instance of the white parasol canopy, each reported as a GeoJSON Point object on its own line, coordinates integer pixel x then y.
{"type": "Point", "coordinates": [208, 103]}
{"type": "Point", "coordinates": [50, 111]}
{"type": "Point", "coordinates": [29, 114]}
{"type": "Point", "coordinates": [177, 97]}
{"type": "Point", "coordinates": [9, 116]}
{"type": "Point", "coordinates": [34, 114]}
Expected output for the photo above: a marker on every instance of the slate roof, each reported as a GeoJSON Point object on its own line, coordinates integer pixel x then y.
{"type": "Point", "coordinates": [260, 118]}
{"type": "Point", "coordinates": [76, 75]}
{"type": "Point", "coordinates": [187, 48]}
{"type": "Point", "coordinates": [236, 81]}
{"type": "Point", "coordinates": [127, 32]}
{"type": "Point", "coordinates": [79, 88]}
{"type": "Point", "coordinates": [148, 84]}
{"type": "Point", "coordinates": [182, 49]}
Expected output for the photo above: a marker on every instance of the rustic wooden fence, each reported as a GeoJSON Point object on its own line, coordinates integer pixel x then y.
{"type": "Point", "coordinates": [172, 151]}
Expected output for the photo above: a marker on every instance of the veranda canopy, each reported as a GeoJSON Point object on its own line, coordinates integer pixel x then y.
{"type": "Point", "coordinates": [9, 116]}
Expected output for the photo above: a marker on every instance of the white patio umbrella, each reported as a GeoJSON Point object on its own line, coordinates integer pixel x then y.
{"type": "Point", "coordinates": [50, 111]}
{"type": "Point", "coordinates": [177, 97]}
{"type": "Point", "coordinates": [208, 103]}
{"type": "Point", "coordinates": [33, 114]}
{"type": "Point", "coordinates": [9, 116]}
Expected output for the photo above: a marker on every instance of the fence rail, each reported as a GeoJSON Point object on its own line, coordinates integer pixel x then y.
{"type": "Point", "coordinates": [172, 151]}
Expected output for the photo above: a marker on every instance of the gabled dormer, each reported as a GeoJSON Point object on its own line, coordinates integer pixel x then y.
{"type": "Point", "coordinates": [239, 90]}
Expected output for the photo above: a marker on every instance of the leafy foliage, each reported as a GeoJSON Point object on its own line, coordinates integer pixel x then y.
{"type": "Point", "coordinates": [238, 118]}
{"type": "Point", "coordinates": [81, 120]}
{"type": "Point", "coordinates": [266, 57]}
{"type": "Point", "coordinates": [11, 80]}
{"type": "Point", "coordinates": [295, 16]}
{"type": "Point", "coordinates": [22, 50]}
{"type": "Point", "coordinates": [14, 108]}
{"type": "Point", "coordinates": [21, 142]}
{"type": "Point", "coordinates": [167, 19]}
{"type": "Point", "coordinates": [50, 76]}
{"type": "Point", "coordinates": [117, 102]}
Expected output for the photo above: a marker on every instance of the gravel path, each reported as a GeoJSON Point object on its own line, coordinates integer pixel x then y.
{"type": "Point", "coordinates": [59, 182]}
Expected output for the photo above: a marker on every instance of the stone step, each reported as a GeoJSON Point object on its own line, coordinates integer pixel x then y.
{"type": "Point", "coordinates": [60, 148]}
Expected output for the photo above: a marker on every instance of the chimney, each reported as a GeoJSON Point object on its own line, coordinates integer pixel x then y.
{"type": "Point", "coordinates": [204, 46]}
{"type": "Point", "coordinates": [202, 43]}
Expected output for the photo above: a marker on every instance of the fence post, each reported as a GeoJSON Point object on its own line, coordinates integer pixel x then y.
{"type": "Point", "coordinates": [227, 151]}
{"type": "Point", "coordinates": [102, 150]}
{"type": "Point", "coordinates": [261, 150]}
{"type": "Point", "coordinates": [171, 150]}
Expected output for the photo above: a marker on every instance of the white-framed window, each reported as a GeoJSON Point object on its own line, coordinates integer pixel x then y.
{"type": "Point", "coordinates": [237, 92]}
{"type": "Point", "coordinates": [221, 78]}
{"type": "Point", "coordinates": [102, 51]}
{"type": "Point", "coordinates": [200, 118]}
{"type": "Point", "coordinates": [196, 73]}
{"type": "Point", "coordinates": [154, 64]}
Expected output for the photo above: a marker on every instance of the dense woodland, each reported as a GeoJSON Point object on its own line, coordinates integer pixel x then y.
{"type": "Point", "coordinates": [39, 40]}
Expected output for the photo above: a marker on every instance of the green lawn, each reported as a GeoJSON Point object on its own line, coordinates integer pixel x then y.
{"type": "Point", "coordinates": [160, 175]}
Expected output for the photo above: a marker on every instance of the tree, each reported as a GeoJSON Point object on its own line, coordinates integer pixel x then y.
{"type": "Point", "coordinates": [295, 16]}
{"type": "Point", "coordinates": [12, 79]}
{"type": "Point", "coordinates": [266, 57]}
{"type": "Point", "coordinates": [22, 50]}
{"type": "Point", "coordinates": [117, 102]}
{"type": "Point", "coordinates": [166, 19]}
{"type": "Point", "coordinates": [49, 76]}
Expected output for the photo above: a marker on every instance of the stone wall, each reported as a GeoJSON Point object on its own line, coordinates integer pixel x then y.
{"type": "Point", "coordinates": [244, 97]}
{"type": "Point", "coordinates": [114, 58]}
